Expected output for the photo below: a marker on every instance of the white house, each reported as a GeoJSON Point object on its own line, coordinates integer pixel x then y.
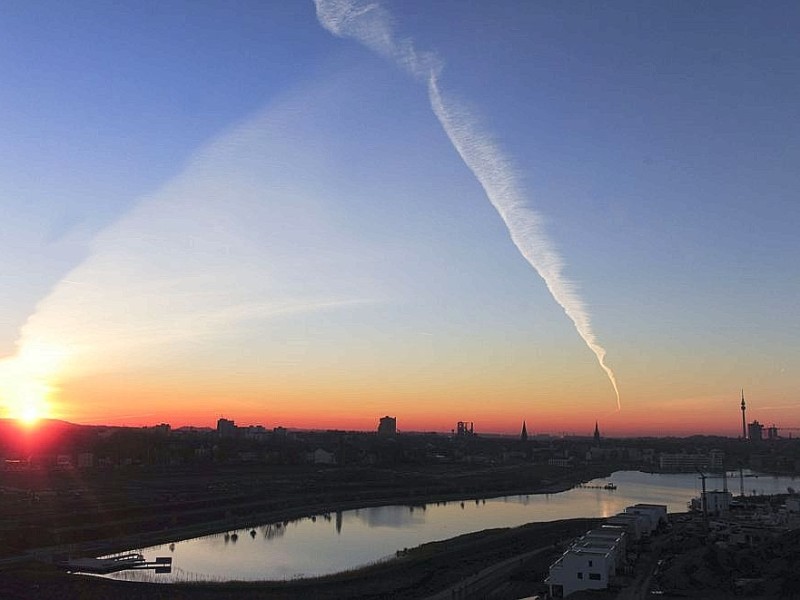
{"type": "Point", "coordinates": [594, 558]}
{"type": "Point", "coordinates": [636, 525]}
{"type": "Point", "coordinates": [580, 569]}
{"type": "Point", "coordinates": [605, 545]}
{"type": "Point", "coordinates": [609, 532]}
{"type": "Point", "coordinates": [660, 509]}
{"type": "Point", "coordinates": [654, 513]}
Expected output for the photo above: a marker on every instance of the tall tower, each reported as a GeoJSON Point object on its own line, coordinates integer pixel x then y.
{"type": "Point", "coordinates": [596, 434]}
{"type": "Point", "coordinates": [744, 419]}
{"type": "Point", "coordinates": [524, 434]}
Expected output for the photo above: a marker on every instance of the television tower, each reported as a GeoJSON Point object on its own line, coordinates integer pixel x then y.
{"type": "Point", "coordinates": [744, 420]}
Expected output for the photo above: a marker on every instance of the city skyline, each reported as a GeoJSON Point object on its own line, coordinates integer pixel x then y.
{"type": "Point", "coordinates": [313, 215]}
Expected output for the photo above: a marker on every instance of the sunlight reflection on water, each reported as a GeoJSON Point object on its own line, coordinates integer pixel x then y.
{"type": "Point", "coordinates": [336, 542]}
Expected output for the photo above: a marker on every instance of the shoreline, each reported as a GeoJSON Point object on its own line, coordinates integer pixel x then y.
{"type": "Point", "coordinates": [422, 572]}
{"type": "Point", "coordinates": [133, 542]}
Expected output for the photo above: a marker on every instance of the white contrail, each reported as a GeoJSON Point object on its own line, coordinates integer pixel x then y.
{"type": "Point", "coordinates": [499, 181]}
{"type": "Point", "coordinates": [370, 24]}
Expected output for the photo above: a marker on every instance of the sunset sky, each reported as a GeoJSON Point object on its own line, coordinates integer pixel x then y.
{"type": "Point", "coordinates": [313, 215]}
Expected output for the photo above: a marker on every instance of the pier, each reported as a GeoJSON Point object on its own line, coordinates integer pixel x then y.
{"type": "Point", "coordinates": [113, 564]}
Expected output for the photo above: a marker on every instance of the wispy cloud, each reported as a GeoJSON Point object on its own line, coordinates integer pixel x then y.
{"type": "Point", "coordinates": [236, 239]}
{"type": "Point", "coordinates": [370, 23]}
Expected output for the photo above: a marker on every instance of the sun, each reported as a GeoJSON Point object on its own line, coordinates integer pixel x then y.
{"type": "Point", "coordinates": [24, 393]}
{"type": "Point", "coordinates": [29, 416]}
{"type": "Point", "coordinates": [27, 381]}
{"type": "Point", "coordinates": [26, 400]}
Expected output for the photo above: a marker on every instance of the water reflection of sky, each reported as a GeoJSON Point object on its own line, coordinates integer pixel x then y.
{"type": "Point", "coordinates": [391, 516]}
{"type": "Point", "coordinates": [339, 541]}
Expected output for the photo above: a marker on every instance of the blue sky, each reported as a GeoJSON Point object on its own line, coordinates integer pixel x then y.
{"type": "Point", "coordinates": [221, 163]}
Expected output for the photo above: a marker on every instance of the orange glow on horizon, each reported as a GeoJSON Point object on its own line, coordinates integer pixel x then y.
{"type": "Point", "coordinates": [180, 398]}
{"type": "Point", "coordinates": [314, 414]}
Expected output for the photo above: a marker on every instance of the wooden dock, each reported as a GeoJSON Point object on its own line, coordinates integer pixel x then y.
{"type": "Point", "coordinates": [113, 564]}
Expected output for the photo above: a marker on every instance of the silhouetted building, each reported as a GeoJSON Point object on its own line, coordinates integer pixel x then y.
{"type": "Point", "coordinates": [254, 432]}
{"type": "Point", "coordinates": [596, 434]}
{"type": "Point", "coordinates": [387, 426]}
{"type": "Point", "coordinates": [464, 428]}
{"type": "Point", "coordinates": [772, 433]}
{"type": "Point", "coordinates": [226, 428]}
{"type": "Point", "coordinates": [755, 431]}
{"type": "Point", "coordinates": [524, 434]}
{"type": "Point", "coordinates": [162, 429]}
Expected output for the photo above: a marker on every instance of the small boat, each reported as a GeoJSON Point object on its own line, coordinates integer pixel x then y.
{"type": "Point", "coordinates": [610, 486]}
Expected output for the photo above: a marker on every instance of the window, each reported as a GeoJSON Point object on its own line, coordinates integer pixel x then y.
{"type": "Point", "coordinates": [594, 576]}
{"type": "Point", "coordinates": [580, 575]}
{"type": "Point", "coordinates": [590, 563]}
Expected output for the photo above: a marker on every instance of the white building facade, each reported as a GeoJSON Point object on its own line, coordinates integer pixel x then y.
{"type": "Point", "coordinates": [580, 569]}
{"type": "Point", "coordinates": [594, 558]}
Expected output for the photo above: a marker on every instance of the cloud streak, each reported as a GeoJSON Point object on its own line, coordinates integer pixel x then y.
{"type": "Point", "coordinates": [371, 24]}
{"type": "Point", "coordinates": [235, 240]}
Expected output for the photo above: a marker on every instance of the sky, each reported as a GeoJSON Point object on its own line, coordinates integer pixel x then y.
{"type": "Point", "coordinates": [316, 214]}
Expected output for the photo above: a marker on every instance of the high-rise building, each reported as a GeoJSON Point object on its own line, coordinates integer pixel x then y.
{"type": "Point", "coordinates": [226, 428]}
{"type": "Point", "coordinates": [387, 426]}
{"type": "Point", "coordinates": [596, 434]}
{"type": "Point", "coordinates": [755, 431]}
{"type": "Point", "coordinates": [524, 434]}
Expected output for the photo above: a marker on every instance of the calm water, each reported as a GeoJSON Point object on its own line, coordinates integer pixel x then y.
{"type": "Point", "coordinates": [326, 544]}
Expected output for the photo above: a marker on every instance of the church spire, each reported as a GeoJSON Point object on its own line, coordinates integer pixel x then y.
{"type": "Point", "coordinates": [596, 433]}
{"type": "Point", "coordinates": [524, 435]}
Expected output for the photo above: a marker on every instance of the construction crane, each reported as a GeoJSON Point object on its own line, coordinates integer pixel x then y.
{"type": "Point", "coordinates": [703, 496]}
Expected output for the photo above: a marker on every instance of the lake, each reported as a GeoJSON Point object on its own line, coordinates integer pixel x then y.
{"type": "Point", "coordinates": [331, 543]}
